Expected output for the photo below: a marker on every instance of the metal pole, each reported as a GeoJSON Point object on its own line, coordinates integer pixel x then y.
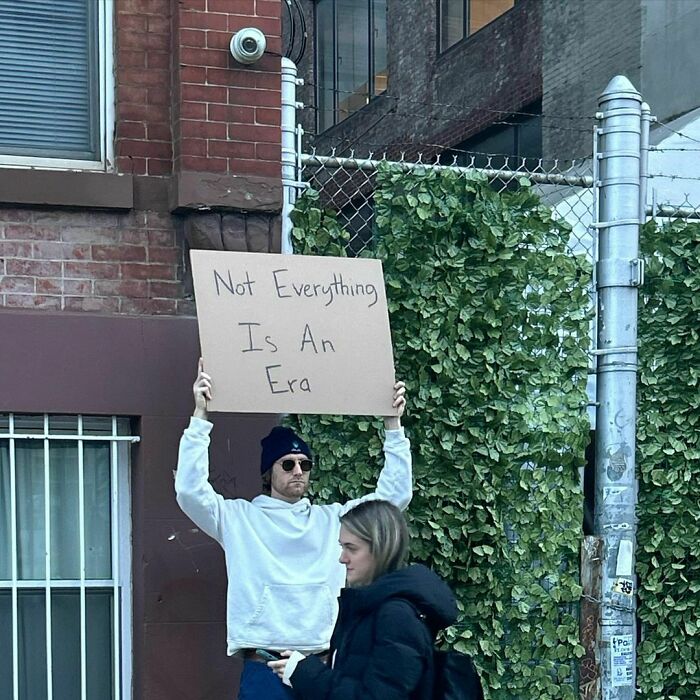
{"type": "Point", "coordinates": [619, 273]}
{"type": "Point", "coordinates": [290, 175]}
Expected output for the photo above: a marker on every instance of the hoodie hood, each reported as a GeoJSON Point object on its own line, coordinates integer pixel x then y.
{"type": "Point", "coordinates": [417, 584]}
{"type": "Point", "coordinates": [303, 505]}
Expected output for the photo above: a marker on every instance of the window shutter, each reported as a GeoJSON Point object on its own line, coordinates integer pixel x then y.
{"type": "Point", "coordinates": [49, 78]}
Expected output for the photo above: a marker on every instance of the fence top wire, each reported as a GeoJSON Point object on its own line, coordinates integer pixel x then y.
{"type": "Point", "coordinates": [673, 189]}
{"type": "Point", "coordinates": [573, 173]}
{"type": "Point", "coordinates": [346, 185]}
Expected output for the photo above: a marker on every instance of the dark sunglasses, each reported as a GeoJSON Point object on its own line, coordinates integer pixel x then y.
{"type": "Point", "coordinates": [289, 464]}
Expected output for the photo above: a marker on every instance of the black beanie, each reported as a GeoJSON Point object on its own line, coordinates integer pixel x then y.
{"type": "Point", "coordinates": [281, 441]}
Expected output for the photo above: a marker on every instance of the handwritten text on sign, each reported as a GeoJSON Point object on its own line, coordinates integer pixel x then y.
{"type": "Point", "coordinates": [296, 334]}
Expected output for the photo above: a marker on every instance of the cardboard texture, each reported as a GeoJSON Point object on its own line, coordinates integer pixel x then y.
{"type": "Point", "coordinates": [293, 333]}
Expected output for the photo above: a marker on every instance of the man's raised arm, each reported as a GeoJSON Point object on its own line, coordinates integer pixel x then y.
{"type": "Point", "coordinates": [195, 495]}
{"type": "Point", "coordinates": [395, 482]}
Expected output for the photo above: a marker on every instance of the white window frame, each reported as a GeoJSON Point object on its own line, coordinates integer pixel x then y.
{"type": "Point", "coordinates": [121, 581]}
{"type": "Point", "coordinates": [105, 162]}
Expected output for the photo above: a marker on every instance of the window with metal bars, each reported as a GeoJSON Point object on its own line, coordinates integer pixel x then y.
{"type": "Point", "coordinates": [351, 57]}
{"type": "Point", "coordinates": [65, 576]}
{"type": "Point", "coordinates": [462, 18]}
{"type": "Point", "coordinates": [55, 85]}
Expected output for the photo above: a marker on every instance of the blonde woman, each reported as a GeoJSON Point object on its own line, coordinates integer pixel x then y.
{"type": "Point", "coordinates": [382, 644]}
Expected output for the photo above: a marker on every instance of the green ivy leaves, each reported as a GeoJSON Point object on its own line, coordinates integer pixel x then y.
{"type": "Point", "coordinates": [668, 462]}
{"type": "Point", "coordinates": [490, 320]}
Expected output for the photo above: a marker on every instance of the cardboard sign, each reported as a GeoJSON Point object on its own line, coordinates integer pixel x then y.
{"type": "Point", "coordinates": [294, 334]}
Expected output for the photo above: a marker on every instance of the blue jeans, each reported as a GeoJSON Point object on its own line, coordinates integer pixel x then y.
{"type": "Point", "coordinates": [258, 682]}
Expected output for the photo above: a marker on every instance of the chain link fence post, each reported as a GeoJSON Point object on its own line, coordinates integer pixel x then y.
{"type": "Point", "coordinates": [619, 273]}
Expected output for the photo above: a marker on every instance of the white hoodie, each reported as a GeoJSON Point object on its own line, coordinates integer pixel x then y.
{"type": "Point", "coordinates": [284, 576]}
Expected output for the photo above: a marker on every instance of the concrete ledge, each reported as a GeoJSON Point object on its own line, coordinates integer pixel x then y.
{"type": "Point", "coordinates": [59, 188]}
{"type": "Point", "coordinates": [198, 191]}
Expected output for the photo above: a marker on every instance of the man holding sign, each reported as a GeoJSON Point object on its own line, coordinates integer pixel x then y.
{"type": "Point", "coordinates": [281, 551]}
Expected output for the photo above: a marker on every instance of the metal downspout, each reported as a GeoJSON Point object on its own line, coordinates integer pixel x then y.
{"type": "Point", "coordinates": [290, 174]}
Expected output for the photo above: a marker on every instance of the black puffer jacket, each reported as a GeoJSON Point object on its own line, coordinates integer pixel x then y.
{"type": "Point", "coordinates": [381, 648]}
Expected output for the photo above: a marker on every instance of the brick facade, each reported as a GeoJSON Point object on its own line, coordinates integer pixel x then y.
{"type": "Point", "coordinates": [240, 106]}
{"type": "Point", "coordinates": [143, 93]}
{"type": "Point", "coordinates": [561, 52]}
{"type": "Point", "coordinates": [199, 137]}
{"type": "Point", "coordinates": [585, 44]}
{"type": "Point", "coordinates": [107, 262]}
{"type": "Point", "coordinates": [438, 100]}
{"type": "Point", "coordinates": [96, 302]}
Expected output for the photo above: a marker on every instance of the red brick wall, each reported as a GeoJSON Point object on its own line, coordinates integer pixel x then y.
{"type": "Point", "coordinates": [91, 261]}
{"type": "Point", "coordinates": [182, 101]}
{"type": "Point", "coordinates": [174, 75]}
{"type": "Point", "coordinates": [143, 86]}
{"type": "Point", "coordinates": [108, 262]}
{"type": "Point", "coordinates": [226, 116]}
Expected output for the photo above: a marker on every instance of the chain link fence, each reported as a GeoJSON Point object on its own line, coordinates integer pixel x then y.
{"type": "Point", "coordinates": [346, 185]}
{"type": "Point", "coordinates": [670, 191]}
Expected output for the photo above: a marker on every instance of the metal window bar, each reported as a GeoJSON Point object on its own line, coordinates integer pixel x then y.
{"type": "Point", "coordinates": [119, 551]}
{"type": "Point", "coordinates": [81, 529]}
{"type": "Point", "coordinates": [47, 565]}
{"type": "Point", "coordinates": [115, 563]}
{"type": "Point", "coordinates": [124, 521]}
{"type": "Point", "coordinates": [13, 548]}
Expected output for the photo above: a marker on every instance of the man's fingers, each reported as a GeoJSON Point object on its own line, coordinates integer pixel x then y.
{"type": "Point", "coordinates": [278, 666]}
{"type": "Point", "coordinates": [399, 395]}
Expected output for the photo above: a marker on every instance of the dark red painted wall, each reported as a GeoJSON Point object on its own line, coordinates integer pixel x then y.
{"type": "Point", "coordinates": [144, 367]}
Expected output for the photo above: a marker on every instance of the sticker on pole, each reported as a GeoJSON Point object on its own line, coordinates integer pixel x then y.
{"type": "Point", "coordinates": [624, 586]}
{"type": "Point", "coordinates": [622, 660]}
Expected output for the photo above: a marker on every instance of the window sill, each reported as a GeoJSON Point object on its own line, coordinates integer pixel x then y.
{"type": "Point", "coordinates": [99, 190]}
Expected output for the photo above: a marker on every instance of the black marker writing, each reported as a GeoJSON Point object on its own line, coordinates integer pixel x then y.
{"type": "Point", "coordinates": [308, 338]}
{"type": "Point", "coordinates": [329, 292]}
{"type": "Point", "coordinates": [278, 286]}
{"type": "Point", "coordinates": [239, 289]}
{"type": "Point", "coordinates": [293, 385]}
{"type": "Point", "coordinates": [251, 345]}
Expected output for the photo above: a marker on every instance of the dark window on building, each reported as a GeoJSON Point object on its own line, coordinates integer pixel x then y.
{"type": "Point", "coordinates": [50, 79]}
{"type": "Point", "coordinates": [518, 135]}
{"type": "Point", "coordinates": [351, 57]}
{"type": "Point", "coordinates": [460, 18]}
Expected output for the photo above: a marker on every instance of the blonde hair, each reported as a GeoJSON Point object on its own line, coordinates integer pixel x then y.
{"type": "Point", "coordinates": [382, 525]}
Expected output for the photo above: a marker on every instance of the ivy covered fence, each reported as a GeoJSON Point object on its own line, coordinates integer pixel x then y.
{"type": "Point", "coordinates": [490, 319]}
